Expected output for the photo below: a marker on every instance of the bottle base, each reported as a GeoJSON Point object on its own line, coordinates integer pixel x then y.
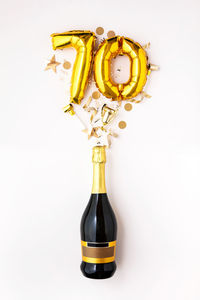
{"type": "Point", "coordinates": [98, 271]}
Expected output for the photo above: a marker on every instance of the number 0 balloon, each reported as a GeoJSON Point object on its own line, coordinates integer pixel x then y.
{"type": "Point", "coordinates": [109, 49]}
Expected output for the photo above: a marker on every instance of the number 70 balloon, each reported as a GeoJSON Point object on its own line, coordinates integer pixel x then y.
{"type": "Point", "coordinates": [83, 42]}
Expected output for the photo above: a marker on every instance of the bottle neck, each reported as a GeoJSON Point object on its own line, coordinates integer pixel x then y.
{"type": "Point", "coordinates": [98, 186]}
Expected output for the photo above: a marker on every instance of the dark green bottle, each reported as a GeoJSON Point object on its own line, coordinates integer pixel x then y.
{"type": "Point", "coordinates": [98, 225]}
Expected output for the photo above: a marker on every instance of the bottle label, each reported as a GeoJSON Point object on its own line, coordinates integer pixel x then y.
{"type": "Point", "coordinates": [98, 253]}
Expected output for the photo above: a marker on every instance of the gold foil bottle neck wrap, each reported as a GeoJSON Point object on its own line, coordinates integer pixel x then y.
{"type": "Point", "coordinates": [99, 159]}
{"type": "Point", "coordinates": [99, 154]}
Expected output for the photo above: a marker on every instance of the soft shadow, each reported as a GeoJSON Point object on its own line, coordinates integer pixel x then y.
{"type": "Point", "coordinates": [115, 201]}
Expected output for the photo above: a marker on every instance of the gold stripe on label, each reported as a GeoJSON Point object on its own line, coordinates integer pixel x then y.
{"type": "Point", "coordinates": [93, 260]}
{"type": "Point", "coordinates": [84, 243]}
{"type": "Point", "coordinates": [111, 244]}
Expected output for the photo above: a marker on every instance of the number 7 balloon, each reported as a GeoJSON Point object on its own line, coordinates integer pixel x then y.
{"type": "Point", "coordinates": [83, 42]}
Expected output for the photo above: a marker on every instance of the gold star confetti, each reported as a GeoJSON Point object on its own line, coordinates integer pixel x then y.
{"type": "Point", "coordinates": [110, 34]}
{"type": "Point", "coordinates": [122, 124]}
{"type": "Point", "coordinates": [128, 106]}
{"type": "Point", "coordinates": [52, 64]}
{"type": "Point", "coordinates": [93, 133]}
{"type": "Point", "coordinates": [66, 65]}
{"type": "Point", "coordinates": [99, 30]}
{"type": "Point", "coordinates": [96, 95]}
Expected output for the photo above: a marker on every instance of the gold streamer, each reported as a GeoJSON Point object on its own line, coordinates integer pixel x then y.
{"type": "Point", "coordinates": [153, 67]}
{"type": "Point", "coordinates": [87, 103]}
{"type": "Point", "coordinates": [69, 109]}
{"type": "Point", "coordinates": [143, 95]}
{"type": "Point", "coordinates": [147, 45]}
{"type": "Point", "coordinates": [94, 112]}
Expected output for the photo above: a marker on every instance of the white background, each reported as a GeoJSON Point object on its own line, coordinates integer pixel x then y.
{"type": "Point", "coordinates": [152, 169]}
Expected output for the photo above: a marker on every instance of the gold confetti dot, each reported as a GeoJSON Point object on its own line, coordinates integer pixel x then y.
{"type": "Point", "coordinates": [122, 124]}
{"type": "Point", "coordinates": [95, 95]}
{"type": "Point", "coordinates": [110, 34]}
{"type": "Point", "coordinates": [128, 106]}
{"type": "Point", "coordinates": [99, 30]}
{"type": "Point", "coordinates": [66, 65]}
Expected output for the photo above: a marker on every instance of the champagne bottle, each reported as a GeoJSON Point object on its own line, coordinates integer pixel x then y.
{"type": "Point", "coordinates": [98, 225]}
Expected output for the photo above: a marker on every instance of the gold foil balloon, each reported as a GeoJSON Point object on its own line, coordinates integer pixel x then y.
{"type": "Point", "coordinates": [83, 42]}
{"type": "Point", "coordinates": [109, 49]}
